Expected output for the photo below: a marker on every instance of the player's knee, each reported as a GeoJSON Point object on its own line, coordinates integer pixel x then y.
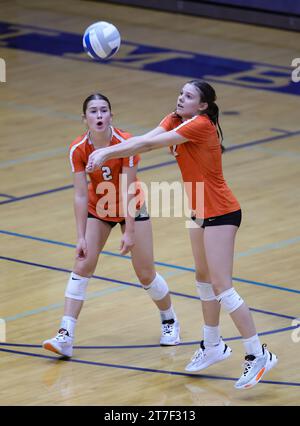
{"type": "Point", "coordinates": [202, 275]}
{"type": "Point", "coordinates": [230, 300]}
{"type": "Point", "coordinates": [145, 276]}
{"type": "Point", "coordinates": [158, 288]}
{"type": "Point", "coordinates": [205, 291]}
{"type": "Point", "coordinates": [85, 268]}
{"type": "Point", "coordinates": [76, 287]}
{"type": "Point", "coordinates": [221, 283]}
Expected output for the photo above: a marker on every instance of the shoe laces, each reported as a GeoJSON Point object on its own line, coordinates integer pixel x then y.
{"type": "Point", "coordinates": [61, 335]}
{"type": "Point", "coordinates": [248, 364]}
{"type": "Point", "coordinates": [168, 327]}
{"type": "Point", "coordinates": [199, 354]}
{"type": "Point", "coordinates": [250, 360]}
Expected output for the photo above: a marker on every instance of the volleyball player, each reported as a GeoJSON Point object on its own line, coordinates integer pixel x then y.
{"type": "Point", "coordinates": [96, 214]}
{"type": "Point", "coordinates": [195, 136]}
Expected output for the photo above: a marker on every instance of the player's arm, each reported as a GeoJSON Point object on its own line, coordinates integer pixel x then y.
{"type": "Point", "coordinates": [127, 241]}
{"type": "Point", "coordinates": [133, 146]}
{"type": "Point", "coordinates": [154, 132]}
{"type": "Point", "coordinates": [81, 211]}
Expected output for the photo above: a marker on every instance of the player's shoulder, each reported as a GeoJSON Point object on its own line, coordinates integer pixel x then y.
{"type": "Point", "coordinates": [79, 141]}
{"type": "Point", "coordinates": [121, 134]}
{"type": "Point", "coordinates": [202, 118]}
{"type": "Point", "coordinates": [171, 121]}
{"type": "Point", "coordinates": [196, 121]}
{"type": "Point", "coordinates": [174, 118]}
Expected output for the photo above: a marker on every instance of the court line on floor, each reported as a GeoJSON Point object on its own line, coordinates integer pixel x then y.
{"type": "Point", "coordinates": [63, 150]}
{"type": "Point", "coordinates": [142, 369]}
{"type": "Point", "coordinates": [275, 129]}
{"type": "Point", "coordinates": [73, 117]}
{"type": "Point", "coordinates": [126, 283]}
{"type": "Point", "coordinates": [36, 194]}
{"type": "Point", "coordinates": [258, 250]}
{"type": "Point", "coordinates": [277, 153]}
{"type": "Point", "coordinates": [7, 196]}
{"type": "Point", "coordinates": [264, 140]}
{"type": "Point", "coordinates": [193, 342]}
{"type": "Point", "coordinates": [159, 165]}
{"type": "Point", "coordinates": [252, 251]}
{"type": "Point", "coordinates": [90, 296]}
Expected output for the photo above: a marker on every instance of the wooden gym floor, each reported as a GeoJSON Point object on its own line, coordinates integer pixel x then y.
{"type": "Point", "coordinates": [117, 359]}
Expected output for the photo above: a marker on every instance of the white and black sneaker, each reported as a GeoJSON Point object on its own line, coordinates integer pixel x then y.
{"type": "Point", "coordinates": [204, 357]}
{"type": "Point", "coordinates": [61, 344]}
{"type": "Point", "coordinates": [255, 368]}
{"type": "Point", "coordinates": [170, 333]}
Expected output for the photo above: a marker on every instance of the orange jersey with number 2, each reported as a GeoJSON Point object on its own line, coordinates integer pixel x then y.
{"type": "Point", "coordinates": [104, 186]}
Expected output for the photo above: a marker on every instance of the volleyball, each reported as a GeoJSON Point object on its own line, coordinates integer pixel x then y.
{"type": "Point", "coordinates": [101, 40]}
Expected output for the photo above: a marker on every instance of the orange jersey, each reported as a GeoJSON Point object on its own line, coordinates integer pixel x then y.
{"type": "Point", "coordinates": [104, 187]}
{"type": "Point", "coordinates": [199, 160]}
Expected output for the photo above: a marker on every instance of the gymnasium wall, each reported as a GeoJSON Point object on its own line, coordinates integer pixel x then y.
{"type": "Point", "coordinates": [283, 14]}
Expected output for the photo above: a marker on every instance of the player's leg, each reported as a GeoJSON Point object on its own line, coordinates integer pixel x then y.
{"type": "Point", "coordinates": [212, 348]}
{"type": "Point", "coordinates": [153, 282]}
{"type": "Point", "coordinates": [219, 249]}
{"type": "Point", "coordinates": [97, 232]}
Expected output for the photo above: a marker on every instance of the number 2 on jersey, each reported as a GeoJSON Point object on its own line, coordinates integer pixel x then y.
{"type": "Point", "coordinates": [106, 173]}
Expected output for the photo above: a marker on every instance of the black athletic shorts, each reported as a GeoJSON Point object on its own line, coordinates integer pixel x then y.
{"type": "Point", "coordinates": [233, 218]}
{"type": "Point", "coordinates": [140, 215]}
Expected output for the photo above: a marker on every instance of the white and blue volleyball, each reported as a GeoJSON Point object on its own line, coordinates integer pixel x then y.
{"type": "Point", "coordinates": [101, 40]}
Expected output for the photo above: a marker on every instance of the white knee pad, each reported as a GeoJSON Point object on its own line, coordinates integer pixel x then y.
{"type": "Point", "coordinates": [158, 289]}
{"type": "Point", "coordinates": [230, 299]}
{"type": "Point", "coordinates": [205, 291]}
{"type": "Point", "coordinates": [76, 287]}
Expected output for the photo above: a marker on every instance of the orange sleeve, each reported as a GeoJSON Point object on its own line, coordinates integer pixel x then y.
{"type": "Point", "coordinates": [167, 123]}
{"type": "Point", "coordinates": [76, 160]}
{"type": "Point", "coordinates": [193, 129]}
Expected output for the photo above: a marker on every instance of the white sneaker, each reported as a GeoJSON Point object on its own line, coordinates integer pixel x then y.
{"type": "Point", "coordinates": [204, 357]}
{"type": "Point", "coordinates": [170, 333]}
{"type": "Point", "coordinates": [61, 344]}
{"type": "Point", "coordinates": [255, 368]}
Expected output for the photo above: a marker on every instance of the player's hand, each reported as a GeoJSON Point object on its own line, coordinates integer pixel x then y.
{"type": "Point", "coordinates": [127, 242]}
{"type": "Point", "coordinates": [81, 249]}
{"type": "Point", "coordinates": [96, 159]}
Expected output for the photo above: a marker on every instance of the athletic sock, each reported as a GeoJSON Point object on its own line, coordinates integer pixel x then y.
{"type": "Point", "coordinates": [253, 346]}
{"type": "Point", "coordinates": [168, 314]}
{"type": "Point", "coordinates": [68, 323]}
{"type": "Point", "coordinates": [211, 335]}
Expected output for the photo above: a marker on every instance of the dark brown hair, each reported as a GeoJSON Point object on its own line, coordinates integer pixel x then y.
{"type": "Point", "coordinates": [93, 97]}
{"type": "Point", "coordinates": [208, 95]}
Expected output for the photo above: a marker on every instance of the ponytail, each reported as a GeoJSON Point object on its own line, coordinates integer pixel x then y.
{"type": "Point", "coordinates": [213, 114]}
{"type": "Point", "coordinates": [208, 95]}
